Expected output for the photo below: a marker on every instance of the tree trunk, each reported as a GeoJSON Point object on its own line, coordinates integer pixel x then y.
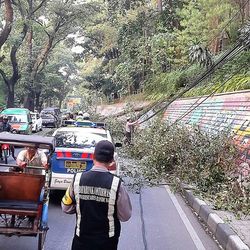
{"type": "Point", "coordinates": [49, 102]}
{"type": "Point", "coordinates": [244, 12]}
{"type": "Point", "coordinates": [60, 103]}
{"type": "Point", "coordinates": [159, 4]}
{"type": "Point", "coordinates": [37, 100]}
{"type": "Point", "coordinates": [40, 106]}
{"type": "Point", "coordinates": [11, 95]}
{"type": "Point", "coordinates": [8, 22]}
{"type": "Point", "coordinates": [11, 82]}
{"type": "Point", "coordinates": [41, 58]}
{"type": "Point", "coordinates": [10, 90]}
{"type": "Point", "coordinates": [29, 100]}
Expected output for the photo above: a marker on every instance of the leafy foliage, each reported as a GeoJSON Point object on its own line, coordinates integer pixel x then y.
{"type": "Point", "coordinates": [130, 45]}
{"type": "Point", "coordinates": [200, 55]}
{"type": "Point", "coordinates": [142, 48]}
{"type": "Point", "coordinates": [176, 154]}
{"type": "Point", "coordinates": [238, 68]}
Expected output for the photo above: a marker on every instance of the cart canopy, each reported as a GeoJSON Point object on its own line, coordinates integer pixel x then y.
{"type": "Point", "coordinates": [42, 142]}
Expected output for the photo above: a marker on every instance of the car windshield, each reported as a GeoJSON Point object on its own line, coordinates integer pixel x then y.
{"type": "Point", "coordinates": [48, 111]}
{"type": "Point", "coordinates": [75, 139]}
{"type": "Point", "coordinates": [47, 115]}
{"type": "Point", "coordinates": [18, 118]}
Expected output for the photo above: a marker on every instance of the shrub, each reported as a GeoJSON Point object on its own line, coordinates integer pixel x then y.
{"type": "Point", "coordinates": [177, 154]}
{"type": "Point", "coordinates": [116, 128]}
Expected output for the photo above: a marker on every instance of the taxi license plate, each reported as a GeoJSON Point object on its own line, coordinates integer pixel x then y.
{"type": "Point", "coordinates": [76, 164]}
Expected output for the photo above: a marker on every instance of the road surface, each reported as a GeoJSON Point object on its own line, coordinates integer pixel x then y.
{"type": "Point", "coordinates": [163, 222]}
{"type": "Point", "coordinates": [160, 221]}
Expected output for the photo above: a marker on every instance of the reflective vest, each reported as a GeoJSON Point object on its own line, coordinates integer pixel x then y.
{"type": "Point", "coordinates": [96, 205]}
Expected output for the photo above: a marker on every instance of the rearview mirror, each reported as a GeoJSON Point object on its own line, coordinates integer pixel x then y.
{"type": "Point", "coordinates": [118, 144]}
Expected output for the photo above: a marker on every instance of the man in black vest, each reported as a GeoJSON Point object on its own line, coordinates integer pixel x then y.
{"type": "Point", "coordinates": [100, 202]}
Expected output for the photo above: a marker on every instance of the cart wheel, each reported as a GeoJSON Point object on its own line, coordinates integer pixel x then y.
{"type": "Point", "coordinates": [41, 239]}
{"type": "Point", "coordinates": [5, 156]}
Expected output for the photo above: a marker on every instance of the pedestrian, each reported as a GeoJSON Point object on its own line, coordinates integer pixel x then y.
{"type": "Point", "coordinates": [129, 128]}
{"type": "Point", "coordinates": [100, 202]}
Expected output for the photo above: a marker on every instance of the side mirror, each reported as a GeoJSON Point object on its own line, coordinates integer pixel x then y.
{"type": "Point", "coordinates": [118, 144]}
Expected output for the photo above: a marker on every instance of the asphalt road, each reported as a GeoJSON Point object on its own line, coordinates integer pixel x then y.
{"type": "Point", "coordinates": [160, 221]}
{"type": "Point", "coordinates": [165, 222]}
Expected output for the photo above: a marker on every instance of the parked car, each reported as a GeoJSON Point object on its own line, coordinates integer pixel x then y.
{"type": "Point", "coordinates": [51, 117]}
{"type": "Point", "coordinates": [74, 153]}
{"type": "Point", "coordinates": [19, 119]}
{"type": "Point", "coordinates": [36, 122]}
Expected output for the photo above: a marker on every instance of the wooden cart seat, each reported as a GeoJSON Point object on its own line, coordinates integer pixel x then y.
{"type": "Point", "coordinates": [20, 186]}
{"type": "Point", "coordinates": [20, 205]}
{"type": "Point", "coordinates": [20, 192]}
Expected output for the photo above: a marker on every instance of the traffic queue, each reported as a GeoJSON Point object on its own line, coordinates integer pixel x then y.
{"type": "Point", "coordinates": [59, 162]}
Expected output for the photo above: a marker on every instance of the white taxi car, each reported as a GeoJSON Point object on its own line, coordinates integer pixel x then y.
{"type": "Point", "coordinates": [74, 153]}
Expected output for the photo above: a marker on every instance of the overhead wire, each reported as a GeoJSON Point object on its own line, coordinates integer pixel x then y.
{"type": "Point", "coordinates": [197, 101]}
{"type": "Point", "coordinates": [227, 56]}
{"type": "Point", "coordinates": [209, 96]}
{"type": "Point", "coordinates": [196, 82]}
{"type": "Point", "coordinates": [154, 106]}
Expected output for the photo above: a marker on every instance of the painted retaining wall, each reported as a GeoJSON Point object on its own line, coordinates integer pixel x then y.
{"type": "Point", "coordinates": [217, 113]}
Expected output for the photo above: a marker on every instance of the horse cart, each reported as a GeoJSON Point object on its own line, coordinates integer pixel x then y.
{"type": "Point", "coordinates": [24, 197]}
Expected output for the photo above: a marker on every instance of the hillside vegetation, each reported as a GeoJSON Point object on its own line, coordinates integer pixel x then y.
{"type": "Point", "coordinates": [111, 49]}
{"type": "Point", "coordinates": [162, 46]}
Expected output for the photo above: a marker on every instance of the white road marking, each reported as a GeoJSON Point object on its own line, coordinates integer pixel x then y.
{"type": "Point", "coordinates": [185, 220]}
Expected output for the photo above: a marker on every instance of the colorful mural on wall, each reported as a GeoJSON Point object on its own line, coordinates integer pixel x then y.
{"type": "Point", "coordinates": [228, 111]}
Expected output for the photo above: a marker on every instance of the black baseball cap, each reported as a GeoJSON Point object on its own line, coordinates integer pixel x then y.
{"type": "Point", "coordinates": [104, 151]}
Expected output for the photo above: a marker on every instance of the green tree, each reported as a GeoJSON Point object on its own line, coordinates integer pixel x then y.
{"type": "Point", "coordinates": [60, 19]}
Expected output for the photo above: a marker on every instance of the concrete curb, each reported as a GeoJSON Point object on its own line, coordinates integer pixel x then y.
{"type": "Point", "coordinates": [227, 238]}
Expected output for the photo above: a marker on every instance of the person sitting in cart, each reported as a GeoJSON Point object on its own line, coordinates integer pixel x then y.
{"type": "Point", "coordinates": [32, 156]}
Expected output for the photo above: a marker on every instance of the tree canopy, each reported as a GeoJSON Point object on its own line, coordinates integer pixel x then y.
{"type": "Point", "coordinates": [48, 49]}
